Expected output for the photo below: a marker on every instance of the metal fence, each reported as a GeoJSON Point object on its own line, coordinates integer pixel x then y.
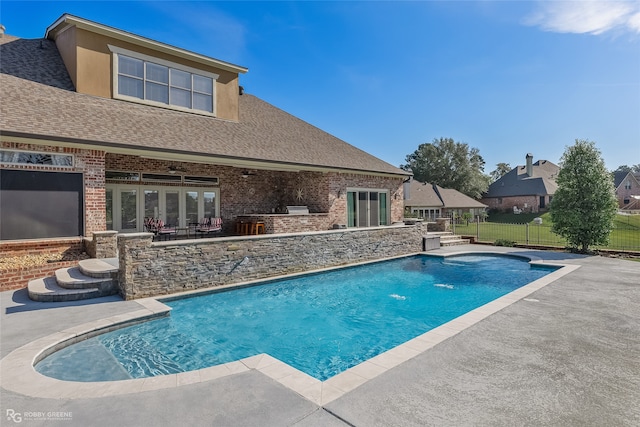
{"type": "Point", "coordinates": [621, 239]}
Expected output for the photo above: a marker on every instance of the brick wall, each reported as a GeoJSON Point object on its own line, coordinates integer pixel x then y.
{"type": "Point", "coordinates": [17, 267]}
{"type": "Point", "coordinates": [268, 191]}
{"type": "Point", "coordinates": [623, 193]}
{"type": "Point", "coordinates": [263, 192]}
{"type": "Point", "coordinates": [89, 162]}
{"type": "Point", "coordinates": [508, 203]}
{"type": "Point", "coordinates": [160, 268]}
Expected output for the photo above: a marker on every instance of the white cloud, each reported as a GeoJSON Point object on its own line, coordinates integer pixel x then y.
{"type": "Point", "coordinates": [586, 17]}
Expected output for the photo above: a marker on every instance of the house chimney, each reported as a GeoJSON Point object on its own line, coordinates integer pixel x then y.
{"type": "Point", "coordinates": [530, 164]}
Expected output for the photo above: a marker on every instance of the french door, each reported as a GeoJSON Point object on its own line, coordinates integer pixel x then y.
{"type": "Point", "coordinates": [367, 208]}
{"type": "Point", "coordinates": [128, 205]}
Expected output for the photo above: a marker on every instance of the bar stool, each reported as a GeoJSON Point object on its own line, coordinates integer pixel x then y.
{"type": "Point", "coordinates": [256, 227]}
{"type": "Point", "coordinates": [242, 227]}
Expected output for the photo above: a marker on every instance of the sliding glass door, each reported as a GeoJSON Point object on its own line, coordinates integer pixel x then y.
{"type": "Point", "coordinates": [367, 208]}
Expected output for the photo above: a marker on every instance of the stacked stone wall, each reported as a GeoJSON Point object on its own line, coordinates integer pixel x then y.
{"type": "Point", "coordinates": [160, 268]}
{"type": "Point", "coordinates": [103, 244]}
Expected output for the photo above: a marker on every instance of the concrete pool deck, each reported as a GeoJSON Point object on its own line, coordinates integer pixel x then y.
{"type": "Point", "coordinates": [568, 354]}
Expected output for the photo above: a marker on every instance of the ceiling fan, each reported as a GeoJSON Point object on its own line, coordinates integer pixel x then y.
{"type": "Point", "coordinates": [173, 169]}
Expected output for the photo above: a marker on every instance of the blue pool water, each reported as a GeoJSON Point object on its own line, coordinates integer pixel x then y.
{"type": "Point", "coordinates": [321, 324]}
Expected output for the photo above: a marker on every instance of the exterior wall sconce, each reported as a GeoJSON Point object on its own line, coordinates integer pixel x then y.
{"type": "Point", "coordinates": [246, 173]}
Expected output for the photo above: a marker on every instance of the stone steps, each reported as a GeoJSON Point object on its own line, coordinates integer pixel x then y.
{"type": "Point", "coordinates": [92, 278]}
{"type": "Point", "coordinates": [46, 289]}
{"type": "Point", "coordinates": [447, 238]}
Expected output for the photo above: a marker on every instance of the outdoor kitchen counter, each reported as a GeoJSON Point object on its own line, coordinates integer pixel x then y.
{"type": "Point", "coordinates": [289, 223]}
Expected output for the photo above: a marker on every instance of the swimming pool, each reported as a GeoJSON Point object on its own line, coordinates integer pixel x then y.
{"type": "Point", "coordinates": [321, 324]}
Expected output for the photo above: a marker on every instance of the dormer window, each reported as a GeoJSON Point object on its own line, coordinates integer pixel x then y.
{"type": "Point", "coordinates": [154, 81]}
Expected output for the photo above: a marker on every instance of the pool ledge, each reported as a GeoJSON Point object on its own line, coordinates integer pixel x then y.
{"type": "Point", "coordinates": [18, 373]}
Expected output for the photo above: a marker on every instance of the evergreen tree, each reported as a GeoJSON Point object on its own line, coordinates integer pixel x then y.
{"type": "Point", "coordinates": [501, 170]}
{"type": "Point", "coordinates": [584, 205]}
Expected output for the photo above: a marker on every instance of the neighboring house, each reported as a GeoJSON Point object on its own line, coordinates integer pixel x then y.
{"type": "Point", "coordinates": [527, 188]}
{"type": "Point", "coordinates": [101, 128]}
{"type": "Point", "coordinates": [627, 188]}
{"type": "Point", "coordinates": [430, 201]}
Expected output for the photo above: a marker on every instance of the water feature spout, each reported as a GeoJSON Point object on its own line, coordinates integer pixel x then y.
{"type": "Point", "coordinates": [238, 264]}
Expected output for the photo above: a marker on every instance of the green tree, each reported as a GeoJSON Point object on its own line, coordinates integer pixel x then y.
{"type": "Point", "coordinates": [501, 170]}
{"type": "Point", "coordinates": [626, 168]}
{"type": "Point", "coordinates": [449, 164]}
{"type": "Point", "coordinates": [584, 205]}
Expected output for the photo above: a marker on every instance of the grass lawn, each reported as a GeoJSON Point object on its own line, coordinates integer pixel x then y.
{"type": "Point", "coordinates": [625, 236]}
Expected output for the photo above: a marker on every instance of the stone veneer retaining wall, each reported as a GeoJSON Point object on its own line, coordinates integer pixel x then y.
{"type": "Point", "coordinates": [157, 268]}
{"type": "Point", "coordinates": [103, 244]}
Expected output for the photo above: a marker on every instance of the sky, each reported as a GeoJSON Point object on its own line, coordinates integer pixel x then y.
{"type": "Point", "coordinates": [506, 77]}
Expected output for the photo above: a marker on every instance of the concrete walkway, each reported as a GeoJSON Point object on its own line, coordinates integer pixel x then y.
{"type": "Point", "coordinates": [569, 354]}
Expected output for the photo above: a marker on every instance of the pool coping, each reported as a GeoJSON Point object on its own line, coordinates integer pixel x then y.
{"type": "Point", "coordinates": [19, 375]}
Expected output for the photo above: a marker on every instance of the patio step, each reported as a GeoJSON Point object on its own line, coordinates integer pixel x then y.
{"type": "Point", "coordinates": [47, 290]}
{"type": "Point", "coordinates": [99, 268]}
{"type": "Point", "coordinates": [92, 278]}
{"type": "Point", "coordinates": [72, 278]}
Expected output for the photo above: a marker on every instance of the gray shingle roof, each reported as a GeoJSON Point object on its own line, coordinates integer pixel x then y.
{"type": "Point", "coordinates": [36, 60]}
{"type": "Point", "coordinates": [40, 102]}
{"type": "Point", "coordinates": [429, 195]}
{"type": "Point", "coordinates": [517, 183]}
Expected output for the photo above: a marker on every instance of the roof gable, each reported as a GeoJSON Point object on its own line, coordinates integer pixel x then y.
{"type": "Point", "coordinates": [67, 20]}
{"type": "Point", "coordinates": [620, 177]}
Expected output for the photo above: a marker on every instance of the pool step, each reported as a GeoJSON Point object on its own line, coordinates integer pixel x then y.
{"type": "Point", "coordinates": [447, 238]}
{"type": "Point", "coordinates": [92, 278]}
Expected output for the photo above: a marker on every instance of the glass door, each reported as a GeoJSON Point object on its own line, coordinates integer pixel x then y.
{"type": "Point", "coordinates": [109, 207]}
{"type": "Point", "coordinates": [127, 205]}
{"type": "Point", "coordinates": [367, 208]}
{"type": "Point", "coordinates": [171, 208]}
{"type": "Point", "coordinates": [128, 210]}
{"type": "Point", "coordinates": [151, 204]}
{"type": "Point", "coordinates": [209, 204]}
{"type": "Point", "coordinates": [191, 208]}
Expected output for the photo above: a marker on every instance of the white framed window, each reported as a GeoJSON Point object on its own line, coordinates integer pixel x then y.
{"type": "Point", "coordinates": [154, 81]}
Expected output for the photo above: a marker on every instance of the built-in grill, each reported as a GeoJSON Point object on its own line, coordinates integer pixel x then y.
{"type": "Point", "coordinates": [297, 210]}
